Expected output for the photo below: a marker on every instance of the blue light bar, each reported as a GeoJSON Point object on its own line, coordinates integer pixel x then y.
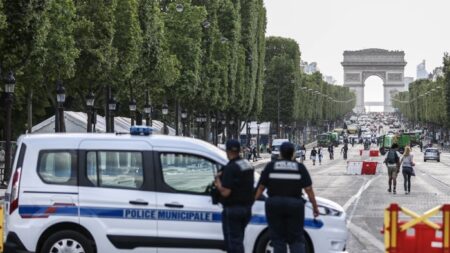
{"type": "Point", "coordinates": [141, 130]}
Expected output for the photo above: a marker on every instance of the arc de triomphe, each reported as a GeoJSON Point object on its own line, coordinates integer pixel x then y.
{"type": "Point", "coordinates": [362, 64]}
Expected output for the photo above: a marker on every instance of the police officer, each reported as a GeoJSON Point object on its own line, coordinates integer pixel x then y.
{"type": "Point", "coordinates": [235, 184]}
{"type": "Point", "coordinates": [285, 210]}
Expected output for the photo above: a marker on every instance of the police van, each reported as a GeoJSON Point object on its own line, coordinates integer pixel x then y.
{"type": "Point", "coordinates": [132, 193]}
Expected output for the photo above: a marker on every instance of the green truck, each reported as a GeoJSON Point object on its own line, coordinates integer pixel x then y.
{"type": "Point", "coordinates": [385, 142]}
{"type": "Point", "coordinates": [326, 139]}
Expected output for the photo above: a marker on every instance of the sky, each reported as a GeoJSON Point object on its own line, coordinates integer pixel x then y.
{"type": "Point", "coordinates": [324, 29]}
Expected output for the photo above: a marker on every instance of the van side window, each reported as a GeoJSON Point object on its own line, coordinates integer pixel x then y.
{"type": "Point", "coordinates": [58, 167]}
{"type": "Point", "coordinates": [122, 169]}
{"type": "Point", "coordinates": [187, 173]}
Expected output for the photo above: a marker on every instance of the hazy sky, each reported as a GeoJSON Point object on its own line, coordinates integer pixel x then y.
{"type": "Point", "coordinates": [325, 28]}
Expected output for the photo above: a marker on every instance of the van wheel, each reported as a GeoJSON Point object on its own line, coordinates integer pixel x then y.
{"type": "Point", "coordinates": [264, 245]}
{"type": "Point", "coordinates": [67, 242]}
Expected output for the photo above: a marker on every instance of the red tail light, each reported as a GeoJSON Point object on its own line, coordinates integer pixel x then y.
{"type": "Point", "coordinates": [14, 199]}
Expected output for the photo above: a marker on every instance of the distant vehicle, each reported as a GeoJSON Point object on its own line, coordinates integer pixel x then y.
{"type": "Point", "coordinates": [432, 154]}
{"type": "Point", "coordinates": [402, 141]}
{"type": "Point", "coordinates": [327, 139]}
{"type": "Point", "coordinates": [352, 129]}
{"type": "Point", "coordinates": [276, 143]}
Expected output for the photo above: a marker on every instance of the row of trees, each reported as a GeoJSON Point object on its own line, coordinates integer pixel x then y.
{"type": "Point", "coordinates": [292, 98]}
{"type": "Point", "coordinates": [202, 56]}
{"type": "Point", "coordinates": [427, 101]}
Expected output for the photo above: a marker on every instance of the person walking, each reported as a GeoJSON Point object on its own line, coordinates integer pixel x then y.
{"type": "Point", "coordinates": [303, 148]}
{"type": "Point", "coordinates": [320, 155]}
{"type": "Point", "coordinates": [392, 161]}
{"type": "Point", "coordinates": [331, 151]}
{"type": "Point", "coordinates": [408, 164]}
{"type": "Point", "coordinates": [255, 154]}
{"type": "Point", "coordinates": [235, 185]}
{"type": "Point", "coordinates": [285, 207]}
{"type": "Point", "coordinates": [313, 156]}
{"type": "Point", "coordinates": [344, 151]}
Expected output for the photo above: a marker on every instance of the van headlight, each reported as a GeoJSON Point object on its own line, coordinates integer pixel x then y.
{"type": "Point", "coordinates": [328, 211]}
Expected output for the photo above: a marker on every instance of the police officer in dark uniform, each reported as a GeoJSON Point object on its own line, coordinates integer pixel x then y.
{"type": "Point", "coordinates": [285, 209]}
{"type": "Point", "coordinates": [235, 185]}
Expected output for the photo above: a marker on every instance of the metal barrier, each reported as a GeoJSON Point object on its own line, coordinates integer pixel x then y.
{"type": "Point", "coordinates": [419, 234]}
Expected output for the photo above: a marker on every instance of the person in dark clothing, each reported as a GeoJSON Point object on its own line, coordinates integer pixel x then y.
{"type": "Point", "coordinates": [285, 210]}
{"type": "Point", "coordinates": [255, 154]}
{"type": "Point", "coordinates": [344, 151]}
{"type": "Point", "coordinates": [331, 151]}
{"type": "Point", "coordinates": [314, 155]}
{"type": "Point", "coordinates": [235, 185]}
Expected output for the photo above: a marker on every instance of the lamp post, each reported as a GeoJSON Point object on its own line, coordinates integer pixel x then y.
{"type": "Point", "coordinates": [165, 111]}
{"type": "Point", "coordinates": [112, 106]}
{"type": "Point", "coordinates": [248, 133]}
{"type": "Point", "coordinates": [198, 120]}
{"type": "Point", "coordinates": [10, 84]}
{"type": "Point", "coordinates": [184, 115]}
{"type": "Point", "coordinates": [148, 110]}
{"type": "Point", "coordinates": [59, 116]}
{"type": "Point", "coordinates": [204, 119]}
{"type": "Point", "coordinates": [90, 100]}
{"type": "Point", "coordinates": [258, 125]}
{"type": "Point", "coordinates": [132, 107]}
{"type": "Point", "coordinates": [214, 129]}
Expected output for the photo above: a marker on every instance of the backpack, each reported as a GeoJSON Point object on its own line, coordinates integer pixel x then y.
{"type": "Point", "coordinates": [392, 157]}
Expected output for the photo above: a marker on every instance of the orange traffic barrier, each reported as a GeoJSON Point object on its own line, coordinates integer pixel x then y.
{"type": "Point", "coordinates": [419, 234]}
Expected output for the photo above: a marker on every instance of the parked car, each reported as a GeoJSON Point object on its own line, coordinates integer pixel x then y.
{"type": "Point", "coordinates": [432, 154]}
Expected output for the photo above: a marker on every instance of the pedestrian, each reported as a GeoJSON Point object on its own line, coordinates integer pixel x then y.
{"type": "Point", "coordinates": [255, 154]}
{"type": "Point", "coordinates": [303, 148]}
{"type": "Point", "coordinates": [344, 151]}
{"type": "Point", "coordinates": [320, 155]}
{"type": "Point", "coordinates": [285, 207]}
{"type": "Point", "coordinates": [353, 142]}
{"type": "Point", "coordinates": [313, 156]}
{"type": "Point", "coordinates": [421, 146]}
{"type": "Point", "coordinates": [235, 185]}
{"type": "Point", "coordinates": [392, 162]}
{"type": "Point", "coordinates": [408, 164]}
{"type": "Point", "coordinates": [331, 151]}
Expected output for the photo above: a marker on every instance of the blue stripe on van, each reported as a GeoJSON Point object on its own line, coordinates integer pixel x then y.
{"type": "Point", "coordinates": [32, 211]}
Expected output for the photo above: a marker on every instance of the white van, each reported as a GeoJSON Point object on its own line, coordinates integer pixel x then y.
{"type": "Point", "coordinates": [111, 193]}
{"type": "Point", "coordinates": [275, 150]}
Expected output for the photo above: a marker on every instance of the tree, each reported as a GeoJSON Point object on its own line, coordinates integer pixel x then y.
{"type": "Point", "coordinates": [184, 36]}
{"type": "Point", "coordinates": [58, 45]}
{"type": "Point", "coordinates": [446, 89]}
{"type": "Point", "coordinates": [158, 68]}
{"type": "Point", "coordinates": [128, 43]}
{"type": "Point", "coordinates": [94, 38]}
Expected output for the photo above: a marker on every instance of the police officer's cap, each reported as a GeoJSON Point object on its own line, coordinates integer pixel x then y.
{"type": "Point", "coordinates": [287, 149]}
{"type": "Point", "coordinates": [233, 145]}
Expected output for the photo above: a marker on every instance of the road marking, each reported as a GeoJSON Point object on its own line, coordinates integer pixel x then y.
{"type": "Point", "coordinates": [357, 196]}
{"type": "Point", "coordinates": [358, 231]}
{"type": "Point", "coordinates": [361, 233]}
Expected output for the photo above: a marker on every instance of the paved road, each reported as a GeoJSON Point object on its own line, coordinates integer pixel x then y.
{"type": "Point", "coordinates": [366, 197]}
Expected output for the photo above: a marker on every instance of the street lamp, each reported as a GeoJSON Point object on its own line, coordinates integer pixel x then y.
{"type": "Point", "coordinates": [184, 115]}
{"type": "Point", "coordinates": [248, 133]}
{"type": "Point", "coordinates": [258, 143]}
{"type": "Point", "coordinates": [112, 106]}
{"type": "Point", "coordinates": [179, 8]}
{"type": "Point", "coordinates": [206, 24]}
{"type": "Point", "coordinates": [165, 111]}
{"type": "Point", "coordinates": [214, 128]}
{"type": "Point", "coordinates": [60, 98]}
{"type": "Point", "coordinates": [132, 107]}
{"type": "Point", "coordinates": [90, 100]}
{"type": "Point", "coordinates": [10, 83]}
